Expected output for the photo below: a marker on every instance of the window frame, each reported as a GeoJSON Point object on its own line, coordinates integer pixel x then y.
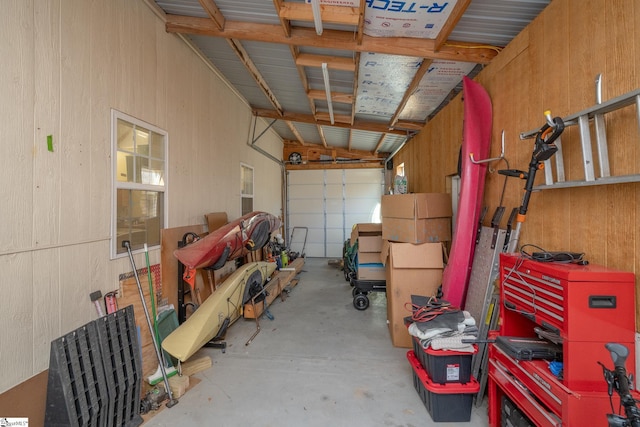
{"type": "Point", "coordinates": [116, 185]}
{"type": "Point", "coordinates": [244, 195]}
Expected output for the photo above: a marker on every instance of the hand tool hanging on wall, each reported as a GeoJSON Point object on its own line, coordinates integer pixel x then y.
{"type": "Point", "coordinates": [543, 149]}
{"type": "Point", "coordinates": [126, 244]}
{"type": "Point", "coordinates": [95, 298]}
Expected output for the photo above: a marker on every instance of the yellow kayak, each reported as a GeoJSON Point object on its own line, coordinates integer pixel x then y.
{"type": "Point", "coordinates": [225, 303]}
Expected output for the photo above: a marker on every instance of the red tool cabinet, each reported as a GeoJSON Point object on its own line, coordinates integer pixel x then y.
{"type": "Point", "coordinates": [588, 306]}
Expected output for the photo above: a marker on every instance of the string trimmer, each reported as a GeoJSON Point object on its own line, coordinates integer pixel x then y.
{"type": "Point", "coordinates": [543, 149]}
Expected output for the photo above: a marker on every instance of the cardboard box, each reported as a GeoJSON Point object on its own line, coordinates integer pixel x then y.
{"type": "Point", "coordinates": [416, 205]}
{"type": "Point", "coordinates": [369, 244]}
{"type": "Point", "coordinates": [369, 257]}
{"type": "Point", "coordinates": [371, 272]}
{"type": "Point", "coordinates": [369, 266]}
{"type": "Point", "coordinates": [365, 229]}
{"type": "Point", "coordinates": [215, 220]}
{"type": "Point", "coordinates": [416, 218]}
{"type": "Point", "coordinates": [368, 235]}
{"type": "Point", "coordinates": [410, 270]}
{"type": "Point", "coordinates": [431, 230]}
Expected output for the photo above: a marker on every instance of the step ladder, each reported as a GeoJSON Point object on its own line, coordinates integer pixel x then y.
{"type": "Point", "coordinates": [595, 114]}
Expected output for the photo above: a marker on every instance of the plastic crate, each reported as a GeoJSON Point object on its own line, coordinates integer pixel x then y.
{"type": "Point", "coordinates": [445, 366]}
{"type": "Point", "coordinates": [445, 402]}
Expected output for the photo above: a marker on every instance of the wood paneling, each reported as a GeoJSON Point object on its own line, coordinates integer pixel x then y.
{"type": "Point", "coordinates": [552, 65]}
{"type": "Point", "coordinates": [169, 264]}
{"type": "Point", "coordinates": [130, 295]}
{"type": "Point", "coordinates": [28, 399]}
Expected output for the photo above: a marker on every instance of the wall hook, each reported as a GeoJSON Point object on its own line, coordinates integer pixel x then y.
{"type": "Point", "coordinates": [477, 162]}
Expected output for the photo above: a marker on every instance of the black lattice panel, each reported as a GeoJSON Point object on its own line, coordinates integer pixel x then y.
{"type": "Point", "coordinates": [77, 392]}
{"type": "Point", "coordinates": [122, 365]}
{"type": "Point", "coordinates": [95, 374]}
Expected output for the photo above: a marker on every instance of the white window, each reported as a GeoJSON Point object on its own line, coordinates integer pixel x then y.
{"type": "Point", "coordinates": [400, 180]}
{"type": "Point", "coordinates": [139, 167]}
{"type": "Point", "coordinates": [246, 191]}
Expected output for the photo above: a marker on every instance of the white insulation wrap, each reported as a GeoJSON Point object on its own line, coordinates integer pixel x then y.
{"type": "Point", "coordinates": [434, 87]}
{"type": "Point", "coordinates": [384, 79]}
{"type": "Point", "coordinates": [420, 18]}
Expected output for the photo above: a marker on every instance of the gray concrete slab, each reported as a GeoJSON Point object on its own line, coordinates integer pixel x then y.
{"type": "Point", "coordinates": [319, 362]}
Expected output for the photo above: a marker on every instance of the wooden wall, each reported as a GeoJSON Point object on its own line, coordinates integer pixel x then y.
{"type": "Point", "coordinates": [552, 65]}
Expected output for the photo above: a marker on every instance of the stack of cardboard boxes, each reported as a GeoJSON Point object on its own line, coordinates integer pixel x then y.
{"type": "Point", "coordinates": [413, 229]}
{"type": "Point", "coordinates": [368, 263]}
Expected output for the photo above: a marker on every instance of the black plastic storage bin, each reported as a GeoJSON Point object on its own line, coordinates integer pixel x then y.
{"type": "Point", "coordinates": [445, 366]}
{"type": "Point", "coordinates": [445, 402]}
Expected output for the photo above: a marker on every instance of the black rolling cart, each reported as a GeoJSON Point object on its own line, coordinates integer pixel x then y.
{"type": "Point", "coordinates": [361, 290]}
{"type": "Point", "coordinates": [361, 287]}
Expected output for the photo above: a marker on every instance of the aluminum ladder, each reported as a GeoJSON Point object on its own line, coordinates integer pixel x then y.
{"type": "Point", "coordinates": [582, 120]}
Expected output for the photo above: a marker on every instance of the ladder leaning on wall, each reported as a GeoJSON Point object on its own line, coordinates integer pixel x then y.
{"type": "Point", "coordinates": [582, 119]}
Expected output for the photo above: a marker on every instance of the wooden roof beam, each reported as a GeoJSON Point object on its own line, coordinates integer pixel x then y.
{"type": "Point", "coordinates": [341, 97]}
{"type": "Point", "coordinates": [337, 118]}
{"type": "Point", "coordinates": [333, 39]}
{"type": "Point", "coordinates": [380, 141]}
{"type": "Point", "coordinates": [316, 150]}
{"type": "Point", "coordinates": [214, 13]}
{"type": "Point", "coordinates": [407, 126]}
{"type": "Point", "coordinates": [336, 165]}
{"type": "Point", "coordinates": [253, 70]}
{"type": "Point", "coordinates": [295, 132]}
{"type": "Point", "coordinates": [356, 73]}
{"type": "Point", "coordinates": [401, 128]}
{"type": "Point", "coordinates": [322, 137]}
{"type": "Point", "coordinates": [330, 14]}
{"type": "Point", "coordinates": [422, 70]}
{"type": "Point", "coordinates": [286, 24]}
{"type": "Point", "coordinates": [334, 62]}
{"type": "Point", "coordinates": [360, 32]}
{"type": "Point", "coordinates": [457, 12]}
{"type": "Point", "coordinates": [295, 52]}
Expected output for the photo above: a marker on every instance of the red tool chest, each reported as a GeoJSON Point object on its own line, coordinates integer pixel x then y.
{"type": "Point", "coordinates": [588, 306]}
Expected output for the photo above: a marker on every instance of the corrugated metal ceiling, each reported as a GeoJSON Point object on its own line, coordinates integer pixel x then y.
{"type": "Point", "coordinates": [380, 96]}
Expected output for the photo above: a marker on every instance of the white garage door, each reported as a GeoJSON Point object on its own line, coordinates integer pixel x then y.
{"type": "Point", "coordinates": [329, 202]}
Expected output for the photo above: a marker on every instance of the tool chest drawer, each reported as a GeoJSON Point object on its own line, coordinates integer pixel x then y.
{"type": "Point", "coordinates": [502, 382]}
{"type": "Point", "coordinates": [534, 376]}
{"type": "Point", "coordinates": [578, 409]}
{"type": "Point", "coordinates": [544, 403]}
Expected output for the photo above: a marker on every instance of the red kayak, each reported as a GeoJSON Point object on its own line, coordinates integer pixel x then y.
{"type": "Point", "coordinates": [476, 140]}
{"type": "Point", "coordinates": [233, 240]}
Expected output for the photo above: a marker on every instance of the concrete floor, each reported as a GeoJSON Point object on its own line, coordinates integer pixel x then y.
{"type": "Point", "coordinates": [320, 362]}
